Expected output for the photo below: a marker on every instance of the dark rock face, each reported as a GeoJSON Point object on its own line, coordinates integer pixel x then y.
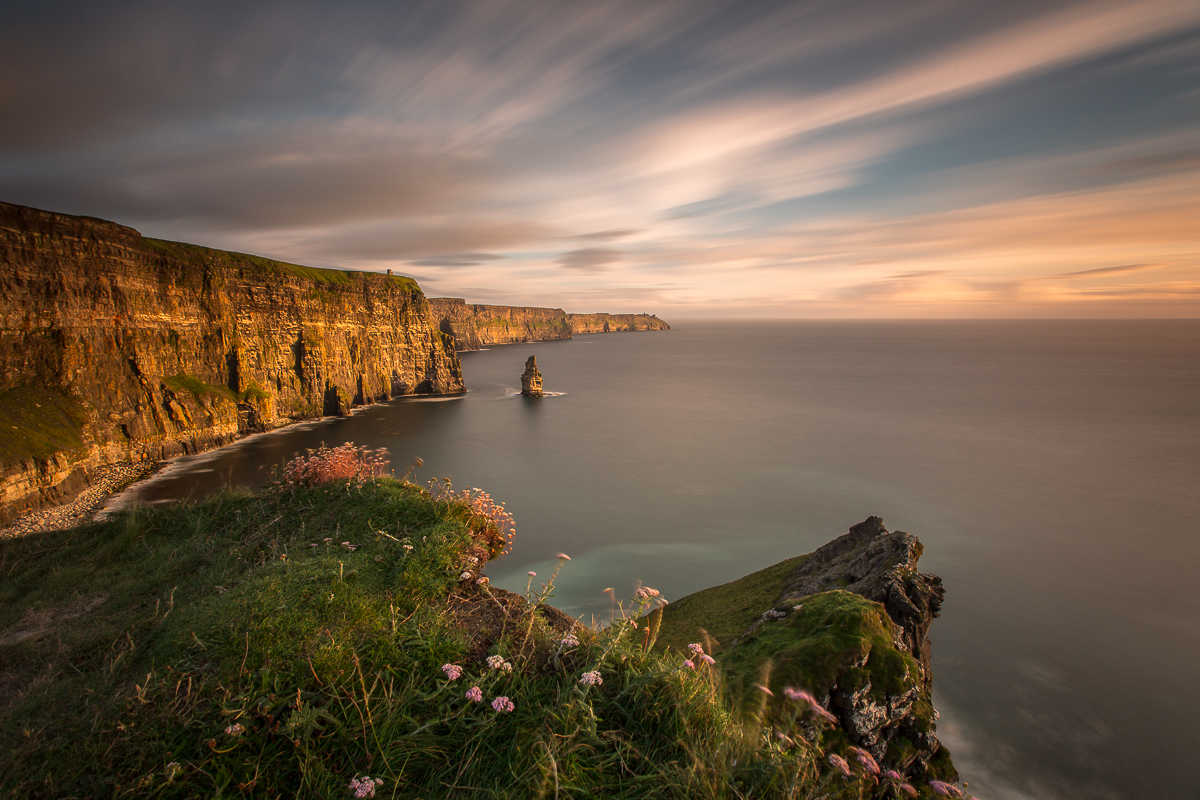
{"type": "Point", "coordinates": [531, 380]}
{"type": "Point", "coordinates": [879, 566]}
{"type": "Point", "coordinates": [174, 348]}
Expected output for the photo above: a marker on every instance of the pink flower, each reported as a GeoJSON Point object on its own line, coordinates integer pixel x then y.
{"type": "Point", "coordinates": [591, 678]}
{"type": "Point", "coordinates": [695, 648]}
{"type": "Point", "coordinates": [839, 763]}
{"type": "Point", "coordinates": [236, 729]}
{"type": "Point", "coordinates": [453, 671]}
{"type": "Point", "coordinates": [945, 789]}
{"type": "Point", "coordinates": [866, 759]}
{"type": "Point", "coordinates": [689, 664]}
{"type": "Point", "coordinates": [891, 774]}
{"type": "Point", "coordinates": [707, 659]}
{"type": "Point", "coordinates": [908, 790]}
{"type": "Point", "coordinates": [765, 690]}
{"type": "Point", "coordinates": [475, 694]}
{"type": "Point", "coordinates": [364, 786]}
{"type": "Point", "coordinates": [502, 704]}
{"type": "Point", "coordinates": [645, 593]}
{"type": "Point", "coordinates": [531, 574]}
{"type": "Point", "coordinates": [563, 556]}
{"type": "Point", "coordinates": [466, 576]}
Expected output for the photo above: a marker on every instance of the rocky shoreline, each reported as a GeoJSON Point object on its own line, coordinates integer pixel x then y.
{"type": "Point", "coordinates": [106, 481]}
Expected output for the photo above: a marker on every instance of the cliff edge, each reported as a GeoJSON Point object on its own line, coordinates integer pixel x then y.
{"type": "Point", "coordinates": [849, 625]}
{"type": "Point", "coordinates": [117, 347]}
{"type": "Point", "coordinates": [473, 326]}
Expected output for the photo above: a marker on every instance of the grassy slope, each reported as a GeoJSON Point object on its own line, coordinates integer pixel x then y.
{"type": "Point", "coordinates": [36, 423]}
{"type": "Point", "coordinates": [723, 612]}
{"type": "Point", "coordinates": [129, 650]}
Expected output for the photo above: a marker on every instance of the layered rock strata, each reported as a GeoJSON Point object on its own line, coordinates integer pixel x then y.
{"type": "Point", "coordinates": [174, 348]}
{"type": "Point", "coordinates": [531, 379]}
{"type": "Point", "coordinates": [474, 326]}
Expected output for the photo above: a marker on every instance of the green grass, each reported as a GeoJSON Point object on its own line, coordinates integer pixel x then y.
{"type": "Point", "coordinates": [36, 423]}
{"type": "Point", "coordinates": [128, 648]}
{"type": "Point", "coordinates": [723, 612]}
{"type": "Point", "coordinates": [198, 389]}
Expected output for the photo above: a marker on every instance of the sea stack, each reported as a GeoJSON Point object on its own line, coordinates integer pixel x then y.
{"type": "Point", "coordinates": [531, 380]}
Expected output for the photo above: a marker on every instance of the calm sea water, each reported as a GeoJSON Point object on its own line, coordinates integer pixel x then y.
{"type": "Point", "coordinates": [1052, 470]}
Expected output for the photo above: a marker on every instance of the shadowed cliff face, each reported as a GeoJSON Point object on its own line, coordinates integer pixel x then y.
{"type": "Point", "coordinates": [476, 326]}
{"type": "Point", "coordinates": [176, 348]}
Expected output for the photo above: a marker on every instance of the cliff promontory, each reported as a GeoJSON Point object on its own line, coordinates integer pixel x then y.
{"type": "Point", "coordinates": [847, 625]}
{"type": "Point", "coordinates": [117, 347]}
{"type": "Point", "coordinates": [473, 326]}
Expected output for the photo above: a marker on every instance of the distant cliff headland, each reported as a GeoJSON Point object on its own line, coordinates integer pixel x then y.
{"type": "Point", "coordinates": [476, 326]}
{"type": "Point", "coordinates": [118, 348]}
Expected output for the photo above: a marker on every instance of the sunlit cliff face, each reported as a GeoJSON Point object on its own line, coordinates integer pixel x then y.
{"type": "Point", "coordinates": [692, 159]}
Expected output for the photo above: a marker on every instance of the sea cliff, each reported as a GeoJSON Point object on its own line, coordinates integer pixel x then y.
{"type": "Point", "coordinates": [118, 347]}
{"type": "Point", "coordinates": [473, 326]}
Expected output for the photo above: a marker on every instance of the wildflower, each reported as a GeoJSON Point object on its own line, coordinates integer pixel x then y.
{"type": "Point", "coordinates": [689, 664]}
{"type": "Point", "coordinates": [408, 547]}
{"type": "Point", "coordinates": [502, 704]}
{"type": "Point", "coordinates": [570, 641]}
{"type": "Point", "coordinates": [707, 659]}
{"type": "Point", "coordinates": [839, 763]}
{"type": "Point", "coordinates": [364, 786]}
{"type": "Point", "coordinates": [945, 789]}
{"type": "Point", "coordinates": [563, 556]}
{"type": "Point", "coordinates": [481, 581]}
{"type": "Point", "coordinates": [765, 690]}
{"type": "Point", "coordinates": [866, 759]}
{"type": "Point", "coordinates": [695, 648]}
{"type": "Point", "coordinates": [453, 671]}
{"type": "Point", "coordinates": [892, 775]}
{"type": "Point", "coordinates": [591, 678]}
{"type": "Point", "coordinates": [531, 574]}
{"type": "Point", "coordinates": [474, 694]}
{"type": "Point", "coordinates": [172, 770]}
{"type": "Point", "coordinates": [236, 729]}
{"type": "Point", "coordinates": [498, 662]}
{"type": "Point", "coordinates": [633, 624]}
{"type": "Point", "coordinates": [908, 790]}
{"type": "Point", "coordinates": [645, 593]}
{"type": "Point", "coordinates": [466, 576]}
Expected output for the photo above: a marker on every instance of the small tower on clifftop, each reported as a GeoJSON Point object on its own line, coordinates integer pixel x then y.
{"type": "Point", "coordinates": [531, 380]}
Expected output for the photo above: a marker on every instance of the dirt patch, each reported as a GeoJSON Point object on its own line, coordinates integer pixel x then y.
{"type": "Point", "coordinates": [489, 614]}
{"type": "Point", "coordinates": [37, 622]}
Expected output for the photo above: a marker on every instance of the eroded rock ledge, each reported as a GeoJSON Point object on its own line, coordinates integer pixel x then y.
{"type": "Point", "coordinates": [851, 625]}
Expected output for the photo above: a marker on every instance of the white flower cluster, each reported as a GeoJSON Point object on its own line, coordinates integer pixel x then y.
{"type": "Point", "coordinates": [498, 662]}
{"type": "Point", "coordinates": [591, 678]}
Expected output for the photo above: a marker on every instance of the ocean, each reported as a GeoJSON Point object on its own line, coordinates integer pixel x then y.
{"type": "Point", "coordinates": [1050, 468]}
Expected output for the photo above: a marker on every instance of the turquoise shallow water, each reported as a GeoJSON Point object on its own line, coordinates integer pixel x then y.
{"type": "Point", "coordinates": [1051, 468]}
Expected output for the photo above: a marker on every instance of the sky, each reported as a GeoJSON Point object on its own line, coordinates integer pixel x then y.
{"type": "Point", "coordinates": [926, 158]}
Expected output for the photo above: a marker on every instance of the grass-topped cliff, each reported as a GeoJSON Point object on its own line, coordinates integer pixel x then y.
{"type": "Point", "coordinates": [332, 636]}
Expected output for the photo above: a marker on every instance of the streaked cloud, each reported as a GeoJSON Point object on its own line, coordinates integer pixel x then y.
{"type": "Point", "coordinates": [868, 158]}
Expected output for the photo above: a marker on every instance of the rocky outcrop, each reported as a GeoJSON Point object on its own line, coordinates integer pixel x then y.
{"type": "Point", "coordinates": [531, 379]}
{"type": "Point", "coordinates": [879, 566]}
{"type": "Point", "coordinates": [851, 626]}
{"type": "Point", "coordinates": [611, 323]}
{"type": "Point", "coordinates": [474, 326]}
{"type": "Point", "coordinates": [175, 348]}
